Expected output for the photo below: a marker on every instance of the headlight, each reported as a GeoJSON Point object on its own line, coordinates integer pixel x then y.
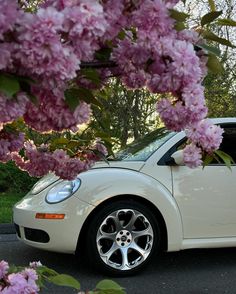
{"type": "Point", "coordinates": [62, 190]}
{"type": "Point", "coordinates": [44, 183]}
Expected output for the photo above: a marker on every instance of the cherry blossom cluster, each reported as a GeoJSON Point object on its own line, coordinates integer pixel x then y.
{"type": "Point", "coordinates": [24, 281]}
{"type": "Point", "coordinates": [52, 46]}
{"type": "Point", "coordinates": [9, 144]}
{"type": "Point", "coordinates": [51, 113]}
{"type": "Point", "coordinates": [204, 136]}
{"type": "Point", "coordinates": [11, 109]}
{"type": "Point", "coordinates": [40, 161]}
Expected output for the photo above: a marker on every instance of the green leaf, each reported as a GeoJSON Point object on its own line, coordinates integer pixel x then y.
{"type": "Point", "coordinates": [210, 49]}
{"type": "Point", "coordinates": [73, 144]}
{"type": "Point", "coordinates": [92, 75]}
{"type": "Point", "coordinates": [212, 5]}
{"type": "Point", "coordinates": [121, 35]}
{"type": "Point", "coordinates": [177, 15]}
{"type": "Point", "coordinates": [109, 287]}
{"type": "Point", "coordinates": [9, 85]}
{"type": "Point", "coordinates": [65, 280]}
{"type": "Point", "coordinates": [25, 85]}
{"type": "Point", "coordinates": [226, 22]}
{"type": "Point", "coordinates": [211, 36]}
{"type": "Point", "coordinates": [43, 270]}
{"type": "Point", "coordinates": [73, 97]}
{"type": "Point", "coordinates": [226, 158]}
{"type": "Point", "coordinates": [214, 64]}
{"type": "Point", "coordinates": [105, 137]}
{"type": "Point", "coordinates": [13, 269]}
{"type": "Point", "coordinates": [207, 160]}
{"type": "Point", "coordinates": [60, 141]}
{"type": "Point", "coordinates": [210, 17]}
{"type": "Point", "coordinates": [25, 79]}
{"type": "Point", "coordinates": [33, 98]}
{"type": "Point", "coordinates": [179, 26]}
{"type": "Point", "coordinates": [103, 54]}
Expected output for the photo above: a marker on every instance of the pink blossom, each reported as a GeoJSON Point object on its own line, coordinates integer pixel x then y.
{"type": "Point", "coordinates": [52, 113]}
{"type": "Point", "coordinates": [30, 273]}
{"type": "Point", "coordinates": [192, 156]}
{"type": "Point", "coordinates": [38, 163]}
{"type": "Point", "coordinates": [10, 143]}
{"type": "Point", "coordinates": [40, 52]}
{"type": "Point", "coordinates": [5, 55]}
{"type": "Point", "coordinates": [171, 3]}
{"type": "Point", "coordinates": [8, 16]}
{"type": "Point", "coordinates": [205, 134]}
{"type": "Point", "coordinates": [69, 169]}
{"type": "Point", "coordinates": [22, 282]}
{"type": "Point", "coordinates": [113, 12]}
{"type": "Point", "coordinates": [17, 284]}
{"type": "Point", "coordinates": [174, 116]}
{"type": "Point", "coordinates": [185, 63]}
{"type": "Point", "coordinates": [152, 18]}
{"type": "Point", "coordinates": [100, 148]}
{"type": "Point", "coordinates": [4, 267]}
{"type": "Point", "coordinates": [85, 23]}
{"type": "Point", "coordinates": [35, 264]}
{"type": "Point", "coordinates": [189, 36]}
{"type": "Point", "coordinates": [131, 59]}
{"type": "Point", "coordinates": [10, 108]}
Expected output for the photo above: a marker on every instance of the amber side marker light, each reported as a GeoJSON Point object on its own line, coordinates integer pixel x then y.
{"type": "Point", "coordinates": [50, 216]}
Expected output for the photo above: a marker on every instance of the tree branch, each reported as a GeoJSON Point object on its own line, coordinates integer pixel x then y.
{"type": "Point", "coordinates": [98, 64]}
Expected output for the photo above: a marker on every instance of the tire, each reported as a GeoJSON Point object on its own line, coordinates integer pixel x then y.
{"type": "Point", "coordinates": [122, 237]}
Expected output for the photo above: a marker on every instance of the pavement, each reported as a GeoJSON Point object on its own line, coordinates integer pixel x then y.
{"type": "Point", "coordinates": [7, 229]}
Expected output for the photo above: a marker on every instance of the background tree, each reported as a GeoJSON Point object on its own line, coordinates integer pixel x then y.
{"type": "Point", "coordinates": [126, 114]}
{"type": "Point", "coordinates": [219, 88]}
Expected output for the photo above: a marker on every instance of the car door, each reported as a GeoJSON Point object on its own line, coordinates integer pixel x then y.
{"type": "Point", "coordinates": [207, 197]}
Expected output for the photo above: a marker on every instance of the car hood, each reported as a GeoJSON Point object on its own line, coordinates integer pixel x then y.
{"type": "Point", "coordinates": [134, 165]}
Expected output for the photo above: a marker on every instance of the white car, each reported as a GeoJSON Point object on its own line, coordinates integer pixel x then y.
{"type": "Point", "coordinates": [123, 212]}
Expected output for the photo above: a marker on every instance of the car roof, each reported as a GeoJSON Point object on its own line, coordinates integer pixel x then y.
{"type": "Point", "coordinates": [223, 120]}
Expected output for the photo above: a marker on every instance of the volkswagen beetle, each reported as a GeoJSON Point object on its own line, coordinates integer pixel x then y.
{"type": "Point", "coordinates": [121, 213]}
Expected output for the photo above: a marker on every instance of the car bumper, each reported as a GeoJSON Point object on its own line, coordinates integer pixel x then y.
{"type": "Point", "coordinates": [50, 234]}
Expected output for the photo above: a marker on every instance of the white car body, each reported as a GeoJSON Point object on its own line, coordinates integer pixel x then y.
{"type": "Point", "coordinates": [197, 205]}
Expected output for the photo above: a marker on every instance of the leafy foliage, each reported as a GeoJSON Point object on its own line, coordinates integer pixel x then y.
{"type": "Point", "coordinates": [12, 179]}
{"type": "Point", "coordinates": [9, 85]}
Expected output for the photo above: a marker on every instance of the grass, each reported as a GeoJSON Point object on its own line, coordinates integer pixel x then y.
{"type": "Point", "coordinates": [7, 200]}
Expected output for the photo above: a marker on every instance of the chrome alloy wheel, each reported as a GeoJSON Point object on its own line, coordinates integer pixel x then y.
{"type": "Point", "coordinates": [124, 239]}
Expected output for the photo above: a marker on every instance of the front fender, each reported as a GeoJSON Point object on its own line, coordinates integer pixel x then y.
{"type": "Point", "coordinates": [98, 185]}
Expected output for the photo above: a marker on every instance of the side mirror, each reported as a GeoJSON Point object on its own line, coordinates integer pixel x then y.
{"type": "Point", "coordinates": [178, 157]}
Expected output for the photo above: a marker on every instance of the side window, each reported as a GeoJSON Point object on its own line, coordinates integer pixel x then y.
{"type": "Point", "coordinates": [228, 144]}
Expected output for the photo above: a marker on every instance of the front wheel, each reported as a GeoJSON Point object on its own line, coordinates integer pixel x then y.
{"type": "Point", "coordinates": [122, 237]}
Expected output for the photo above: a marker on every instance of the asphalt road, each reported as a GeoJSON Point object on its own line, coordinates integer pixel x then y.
{"type": "Point", "coordinates": [191, 271]}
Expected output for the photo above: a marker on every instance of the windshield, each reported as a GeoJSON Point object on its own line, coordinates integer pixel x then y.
{"type": "Point", "coordinates": [143, 148]}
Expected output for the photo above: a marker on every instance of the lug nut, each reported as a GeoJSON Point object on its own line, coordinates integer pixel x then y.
{"type": "Point", "coordinates": [122, 244]}
{"type": "Point", "coordinates": [118, 239]}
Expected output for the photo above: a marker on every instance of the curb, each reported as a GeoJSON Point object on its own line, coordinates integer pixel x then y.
{"type": "Point", "coordinates": [7, 229]}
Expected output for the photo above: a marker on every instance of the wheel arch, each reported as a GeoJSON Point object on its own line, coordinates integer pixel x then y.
{"type": "Point", "coordinates": [139, 199]}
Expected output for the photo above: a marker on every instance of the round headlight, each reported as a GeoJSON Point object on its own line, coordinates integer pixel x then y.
{"type": "Point", "coordinates": [62, 191]}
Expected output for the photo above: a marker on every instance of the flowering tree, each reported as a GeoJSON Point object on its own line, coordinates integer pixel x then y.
{"type": "Point", "coordinates": [53, 60]}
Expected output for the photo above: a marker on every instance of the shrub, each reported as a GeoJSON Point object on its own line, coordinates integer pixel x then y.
{"type": "Point", "coordinates": [12, 179]}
